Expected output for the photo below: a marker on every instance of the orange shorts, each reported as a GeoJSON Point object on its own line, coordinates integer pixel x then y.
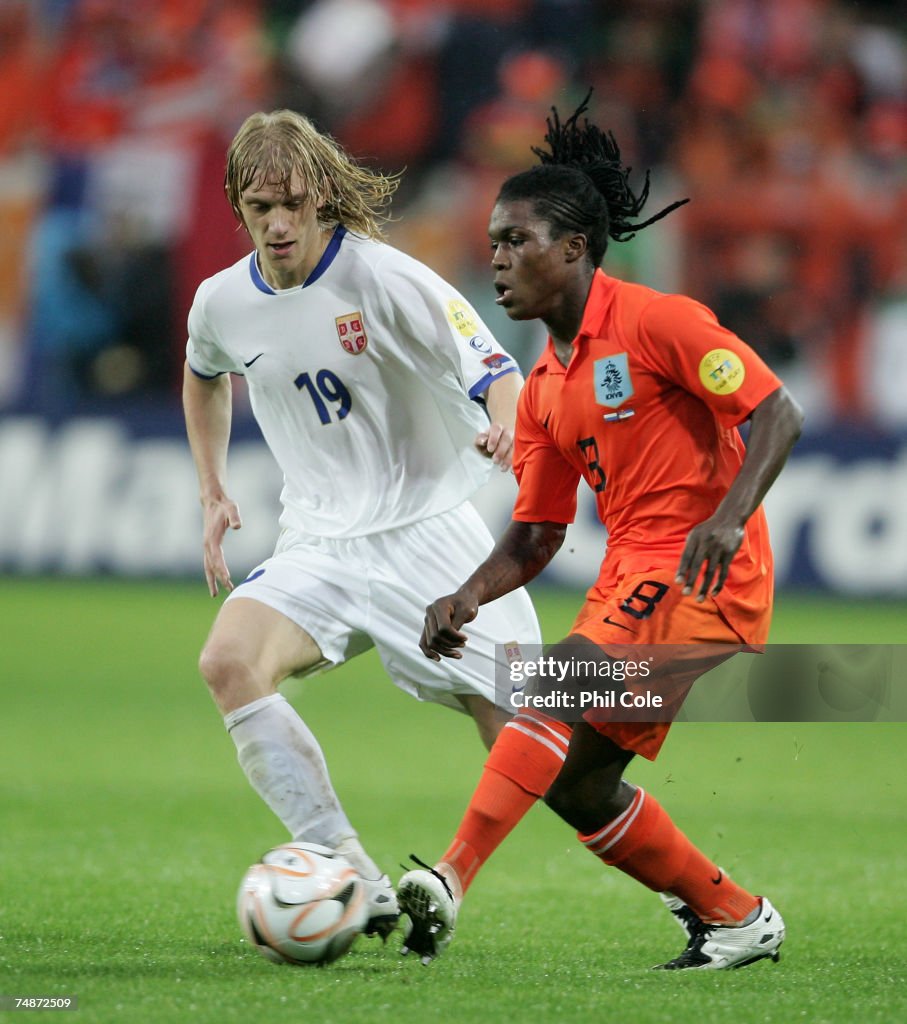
{"type": "Point", "coordinates": [649, 608]}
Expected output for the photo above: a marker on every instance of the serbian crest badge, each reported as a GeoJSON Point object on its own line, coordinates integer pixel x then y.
{"type": "Point", "coordinates": [351, 332]}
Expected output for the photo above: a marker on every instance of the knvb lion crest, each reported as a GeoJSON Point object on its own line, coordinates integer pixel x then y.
{"type": "Point", "coordinates": [351, 332]}
{"type": "Point", "coordinates": [612, 380]}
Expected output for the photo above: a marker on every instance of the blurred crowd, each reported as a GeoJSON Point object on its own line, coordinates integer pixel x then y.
{"type": "Point", "coordinates": [784, 121]}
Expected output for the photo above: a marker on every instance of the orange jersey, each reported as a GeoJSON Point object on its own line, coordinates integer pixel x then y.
{"type": "Point", "coordinates": [647, 414]}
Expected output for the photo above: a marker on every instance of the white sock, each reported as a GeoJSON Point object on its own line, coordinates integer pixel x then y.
{"type": "Point", "coordinates": [354, 852]}
{"type": "Point", "coordinates": [283, 761]}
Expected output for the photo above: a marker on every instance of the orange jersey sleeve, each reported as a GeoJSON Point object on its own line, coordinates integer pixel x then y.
{"type": "Point", "coordinates": [547, 480]}
{"type": "Point", "coordinates": [684, 340]}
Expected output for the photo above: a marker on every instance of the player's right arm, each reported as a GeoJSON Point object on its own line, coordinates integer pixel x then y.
{"type": "Point", "coordinates": [518, 557]}
{"type": "Point", "coordinates": [545, 505]}
{"type": "Point", "coordinates": [208, 408]}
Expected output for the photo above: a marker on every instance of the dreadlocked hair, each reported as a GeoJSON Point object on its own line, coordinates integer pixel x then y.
{"type": "Point", "coordinates": [271, 148]}
{"type": "Point", "coordinates": [580, 184]}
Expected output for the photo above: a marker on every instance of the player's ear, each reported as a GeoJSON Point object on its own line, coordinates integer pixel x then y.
{"type": "Point", "coordinates": [575, 247]}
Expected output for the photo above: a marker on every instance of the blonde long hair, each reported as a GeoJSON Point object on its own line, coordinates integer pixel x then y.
{"type": "Point", "coordinates": [272, 147]}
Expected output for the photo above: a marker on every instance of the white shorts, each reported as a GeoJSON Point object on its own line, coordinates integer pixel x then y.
{"type": "Point", "coordinates": [350, 594]}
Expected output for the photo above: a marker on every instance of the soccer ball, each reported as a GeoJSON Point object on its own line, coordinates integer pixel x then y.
{"type": "Point", "coordinates": [302, 904]}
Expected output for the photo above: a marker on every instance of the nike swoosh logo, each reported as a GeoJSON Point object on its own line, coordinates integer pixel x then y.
{"type": "Point", "coordinates": [768, 917]}
{"type": "Point", "coordinates": [619, 625]}
{"type": "Point", "coordinates": [251, 361]}
{"type": "Point", "coordinates": [717, 881]}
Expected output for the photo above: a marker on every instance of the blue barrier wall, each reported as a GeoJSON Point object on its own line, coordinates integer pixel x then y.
{"type": "Point", "coordinates": [114, 495]}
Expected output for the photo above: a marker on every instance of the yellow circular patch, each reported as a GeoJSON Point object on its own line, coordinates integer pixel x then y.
{"type": "Point", "coordinates": [461, 316]}
{"type": "Point", "coordinates": [721, 371]}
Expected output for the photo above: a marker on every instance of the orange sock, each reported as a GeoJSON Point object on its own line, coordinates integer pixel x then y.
{"type": "Point", "coordinates": [644, 843]}
{"type": "Point", "coordinates": [523, 762]}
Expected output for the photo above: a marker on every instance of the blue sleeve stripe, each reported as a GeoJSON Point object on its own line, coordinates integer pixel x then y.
{"type": "Point", "coordinates": [489, 378]}
{"type": "Point", "coordinates": [205, 376]}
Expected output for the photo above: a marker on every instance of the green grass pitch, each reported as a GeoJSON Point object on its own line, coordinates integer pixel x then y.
{"type": "Point", "coordinates": [126, 825]}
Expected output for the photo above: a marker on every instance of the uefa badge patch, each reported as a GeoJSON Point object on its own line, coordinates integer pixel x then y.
{"type": "Point", "coordinates": [612, 380]}
{"type": "Point", "coordinates": [351, 332]}
{"type": "Point", "coordinates": [462, 318]}
{"type": "Point", "coordinates": [721, 371]}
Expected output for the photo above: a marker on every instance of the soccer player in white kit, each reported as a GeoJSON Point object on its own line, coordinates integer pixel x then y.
{"type": "Point", "coordinates": [385, 401]}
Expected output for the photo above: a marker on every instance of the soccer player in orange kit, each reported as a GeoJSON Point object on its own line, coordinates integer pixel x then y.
{"type": "Point", "coordinates": [640, 394]}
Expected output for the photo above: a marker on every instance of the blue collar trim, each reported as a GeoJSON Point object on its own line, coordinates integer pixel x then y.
{"type": "Point", "coordinates": [327, 258]}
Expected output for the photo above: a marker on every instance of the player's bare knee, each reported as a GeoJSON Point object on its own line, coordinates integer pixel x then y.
{"type": "Point", "coordinates": [222, 670]}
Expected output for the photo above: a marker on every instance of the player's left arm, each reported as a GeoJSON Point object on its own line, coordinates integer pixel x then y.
{"type": "Point", "coordinates": [442, 324]}
{"type": "Point", "coordinates": [496, 442]}
{"type": "Point", "coordinates": [775, 425]}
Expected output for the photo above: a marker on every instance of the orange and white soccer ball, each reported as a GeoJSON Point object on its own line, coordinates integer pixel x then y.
{"type": "Point", "coordinates": [302, 904]}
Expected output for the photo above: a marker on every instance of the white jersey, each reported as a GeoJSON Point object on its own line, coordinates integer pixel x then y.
{"type": "Point", "coordinates": [363, 381]}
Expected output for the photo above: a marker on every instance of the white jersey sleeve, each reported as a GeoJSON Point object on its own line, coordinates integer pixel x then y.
{"type": "Point", "coordinates": [437, 317]}
{"type": "Point", "coordinates": [204, 353]}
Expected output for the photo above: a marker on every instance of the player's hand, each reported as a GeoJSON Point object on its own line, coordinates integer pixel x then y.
{"type": "Point", "coordinates": [496, 443]}
{"type": "Point", "coordinates": [710, 549]}
{"type": "Point", "coordinates": [219, 515]}
{"type": "Point", "coordinates": [441, 635]}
